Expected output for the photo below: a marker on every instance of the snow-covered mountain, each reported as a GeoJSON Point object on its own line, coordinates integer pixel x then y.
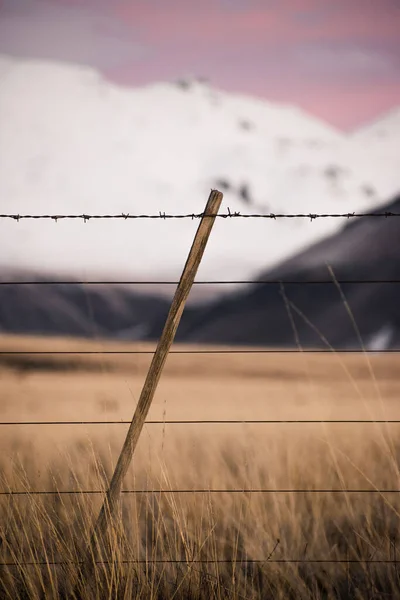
{"type": "Point", "coordinates": [383, 130]}
{"type": "Point", "coordinates": [72, 142]}
{"type": "Point", "coordinates": [382, 138]}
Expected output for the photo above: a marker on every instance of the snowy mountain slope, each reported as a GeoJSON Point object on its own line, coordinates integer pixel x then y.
{"type": "Point", "coordinates": [72, 142]}
{"type": "Point", "coordinates": [382, 138]}
{"type": "Point", "coordinates": [385, 129]}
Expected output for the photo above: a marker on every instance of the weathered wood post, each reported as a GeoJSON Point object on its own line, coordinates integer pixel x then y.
{"type": "Point", "coordinates": [113, 494]}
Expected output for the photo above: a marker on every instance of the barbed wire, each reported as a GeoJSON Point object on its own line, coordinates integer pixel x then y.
{"type": "Point", "coordinates": [192, 216]}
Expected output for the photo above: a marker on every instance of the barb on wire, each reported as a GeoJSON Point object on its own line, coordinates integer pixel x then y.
{"type": "Point", "coordinates": [228, 215]}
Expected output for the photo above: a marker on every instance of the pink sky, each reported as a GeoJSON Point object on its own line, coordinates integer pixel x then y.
{"type": "Point", "coordinates": [338, 59]}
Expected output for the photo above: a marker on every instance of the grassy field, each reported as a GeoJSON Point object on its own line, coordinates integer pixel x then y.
{"type": "Point", "coordinates": [208, 544]}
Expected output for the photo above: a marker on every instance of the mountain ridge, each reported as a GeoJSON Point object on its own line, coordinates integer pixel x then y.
{"type": "Point", "coordinates": [84, 145]}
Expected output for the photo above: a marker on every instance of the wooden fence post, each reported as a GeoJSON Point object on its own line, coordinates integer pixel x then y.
{"type": "Point", "coordinates": [109, 506]}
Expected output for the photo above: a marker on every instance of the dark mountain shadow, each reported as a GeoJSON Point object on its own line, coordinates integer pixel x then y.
{"type": "Point", "coordinates": [263, 314]}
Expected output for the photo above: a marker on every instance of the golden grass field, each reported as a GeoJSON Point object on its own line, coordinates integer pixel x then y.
{"type": "Point", "coordinates": [257, 534]}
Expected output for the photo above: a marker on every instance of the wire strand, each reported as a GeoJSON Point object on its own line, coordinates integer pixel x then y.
{"type": "Point", "coordinates": [228, 215]}
{"type": "Point", "coordinates": [215, 422]}
{"type": "Point", "coordinates": [210, 282]}
{"type": "Point", "coordinates": [199, 491]}
{"type": "Point", "coordinates": [261, 351]}
{"type": "Point", "coordinates": [211, 561]}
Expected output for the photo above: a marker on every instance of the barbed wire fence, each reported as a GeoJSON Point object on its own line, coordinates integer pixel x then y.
{"type": "Point", "coordinates": [192, 216]}
{"type": "Point", "coordinates": [161, 215]}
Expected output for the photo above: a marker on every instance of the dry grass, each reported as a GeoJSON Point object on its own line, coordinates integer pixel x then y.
{"type": "Point", "coordinates": [239, 528]}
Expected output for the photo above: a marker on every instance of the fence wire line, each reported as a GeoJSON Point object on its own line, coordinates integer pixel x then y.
{"type": "Point", "coordinates": [211, 561]}
{"type": "Point", "coordinates": [217, 422]}
{"type": "Point", "coordinates": [210, 282]}
{"type": "Point", "coordinates": [26, 493]}
{"type": "Point", "coordinates": [263, 351]}
{"type": "Point", "coordinates": [165, 216]}
{"type": "Point", "coordinates": [228, 215]}
{"type": "Point", "coordinates": [214, 422]}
